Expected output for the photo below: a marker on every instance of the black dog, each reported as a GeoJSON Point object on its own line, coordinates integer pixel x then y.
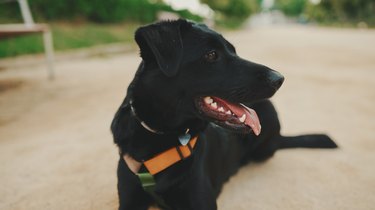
{"type": "Point", "coordinates": [191, 83]}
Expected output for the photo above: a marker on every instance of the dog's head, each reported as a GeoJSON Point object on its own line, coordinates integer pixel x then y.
{"type": "Point", "coordinates": [191, 72]}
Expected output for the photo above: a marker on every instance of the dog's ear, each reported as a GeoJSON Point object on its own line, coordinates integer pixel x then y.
{"type": "Point", "coordinates": [162, 43]}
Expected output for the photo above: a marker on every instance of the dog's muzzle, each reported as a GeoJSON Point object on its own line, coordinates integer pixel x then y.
{"type": "Point", "coordinates": [237, 117]}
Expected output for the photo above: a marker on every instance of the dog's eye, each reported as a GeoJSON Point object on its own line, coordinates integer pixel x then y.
{"type": "Point", "coordinates": [211, 56]}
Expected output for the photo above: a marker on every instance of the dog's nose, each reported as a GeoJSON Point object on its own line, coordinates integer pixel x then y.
{"type": "Point", "coordinates": [275, 79]}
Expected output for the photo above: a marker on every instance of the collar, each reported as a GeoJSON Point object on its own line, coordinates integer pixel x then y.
{"type": "Point", "coordinates": [143, 122]}
{"type": "Point", "coordinates": [144, 125]}
{"type": "Point", "coordinates": [164, 159]}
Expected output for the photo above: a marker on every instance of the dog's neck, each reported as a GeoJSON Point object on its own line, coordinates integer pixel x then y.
{"type": "Point", "coordinates": [143, 123]}
{"type": "Point", "coordinates": [143, 142]}
{"type": "Point", "coordinates": [154, 118]}
{"type": "Point", "coordinates": [158, 111]}
{"type": "Point", "coordinates": [149, 128]}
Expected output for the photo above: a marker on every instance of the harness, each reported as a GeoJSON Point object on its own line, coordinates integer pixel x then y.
{"type": "Point", "coordinates": [160, 161]}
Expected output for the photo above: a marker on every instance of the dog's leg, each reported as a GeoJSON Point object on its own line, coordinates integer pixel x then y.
{"type": "Point", "coordinates": [307, 141]}
{"type": "Point", "coordinates": [130, 191]}
{"type": "Point", "coordinates": [270, 140]}
{"type": "Point", "coordinates": [267, 148]}
{"type": "Point", "coordinates": [194, 194]}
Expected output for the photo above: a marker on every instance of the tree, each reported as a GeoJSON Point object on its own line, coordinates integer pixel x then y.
{"type": "Point", "coordinates": [234, 8]}
{"type": "Point", "coordinates": [291, 7]}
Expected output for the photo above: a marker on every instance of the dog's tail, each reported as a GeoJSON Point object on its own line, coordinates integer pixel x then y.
{"type": "Point", "coordinates": [307, 141]}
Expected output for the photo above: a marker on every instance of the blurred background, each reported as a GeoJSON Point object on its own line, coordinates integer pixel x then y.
{"type": "Point", "coordinates": [84, 23]}
{"type": "Point", "coordinates": [56, 149]}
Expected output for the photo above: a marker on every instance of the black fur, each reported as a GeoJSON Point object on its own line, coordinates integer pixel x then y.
{"type": "Point", "coordinates": [173, 73]}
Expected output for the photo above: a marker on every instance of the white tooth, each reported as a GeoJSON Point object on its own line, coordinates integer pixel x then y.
{"type": "Point", "coordinates": [221, 109]}
{"type": "Point", "coordinates": [228, 112]}
{"type": "Point", "coordinates": [243, 118]}
{"type": "Point", "coordinates": [208, 100]}
{"type": "Point", "coordinates": [214, 105]}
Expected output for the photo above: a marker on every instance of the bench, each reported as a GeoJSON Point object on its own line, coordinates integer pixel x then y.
{"type": "Point", "coordinates": [29, 27]}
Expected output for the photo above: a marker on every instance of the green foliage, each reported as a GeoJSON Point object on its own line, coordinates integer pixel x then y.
{"type": "Point", "coordinates": [95, 10]}
{"type": "Point", "coordinates": [331, 11]}
{"type": "Point", "coordinates": [182, 13]}
{"type": "Point", "coordinates": [229, 23]}
{"type": "Point", "coordinates": [232, 12]}
{"type": "Point", "coordinates": [188, 15]}
{"type": "Point", "coordinates": [291, 7]}
{"type": "Point", "coordinates": [69, 36]}
{"type": "Point", "coordinates": [240, 9]}
{"type": "Point", "coordinates": [21, 45]}
{"type": "Point", "coordinates": [343, 11]}
{"type": "Point", "coordinates": [10, 12]}
{"type": "Point", "coordinates": [108, 11]}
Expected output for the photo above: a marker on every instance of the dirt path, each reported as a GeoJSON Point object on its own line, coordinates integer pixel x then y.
{"type": "Point", "coordinates": [56, 150]}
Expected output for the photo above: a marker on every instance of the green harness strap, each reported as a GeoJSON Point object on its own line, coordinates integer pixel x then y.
{"type": "Point", "coordinates": [148, 184]}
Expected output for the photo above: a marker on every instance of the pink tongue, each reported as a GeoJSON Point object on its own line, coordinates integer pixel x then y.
{"type": "Point", "coordinates": [252, 119]}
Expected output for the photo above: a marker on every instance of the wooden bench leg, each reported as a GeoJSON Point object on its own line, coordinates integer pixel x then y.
{"type": "Point", "coordinates": [48, 48]}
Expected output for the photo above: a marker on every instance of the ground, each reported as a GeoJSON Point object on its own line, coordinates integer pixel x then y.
{"type": "Point", "coordinates": [56, 149]}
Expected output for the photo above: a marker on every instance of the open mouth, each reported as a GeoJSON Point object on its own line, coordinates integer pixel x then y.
{"type": "Point", "coordinates": [237, 117]}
